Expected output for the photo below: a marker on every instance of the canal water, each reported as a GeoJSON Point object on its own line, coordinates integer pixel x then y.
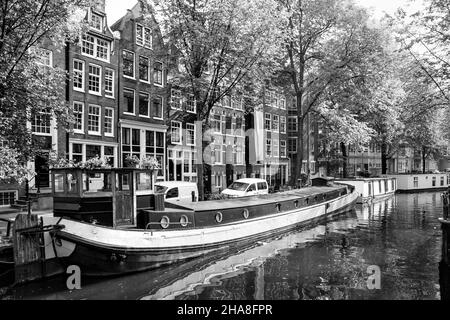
{"type": "Point", "coordinates": [400, 237]}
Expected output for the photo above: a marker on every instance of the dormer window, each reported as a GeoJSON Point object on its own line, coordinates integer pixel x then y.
{"type": "Point", "coordinates": [143, 36]}
{"type": "Point", "coordinates": [97, 22]}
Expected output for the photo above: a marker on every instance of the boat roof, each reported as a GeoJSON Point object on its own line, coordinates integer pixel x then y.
{"type": "Point", "coordinates": [258, 200]}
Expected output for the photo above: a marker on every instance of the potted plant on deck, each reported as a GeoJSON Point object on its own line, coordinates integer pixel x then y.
{"type": "Point", "coordinates": [131, 161]}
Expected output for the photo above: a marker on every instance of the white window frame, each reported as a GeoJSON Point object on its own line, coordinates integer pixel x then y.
{"type": "Point", "coordinates": [83, 75]}
{"type": "Point", "coordinates": [269, 150]}
{"type": "Point", "coordinates": [283, 145]}
{"type": "Point", "coordinates": [275, 148]}
{"type": "Point", "coordinates": [295, 145]}
{"type": "Point", "coordinates": [194, 101]}
{"type": "Point", "coordinates": [134, 65]}
{"type": "Point", "coordinates": [179, 127]}
{"type": "Point", "coordinates": [134, 101]}
{"type": "Point", "coordinates": [283, 120]}
{"type": "Point", "coordinates": [102, 21]}
{"type": "Point", "coordinates": [110, 94]}
{"type": "Point", "coordinates": [162, 107]}
{"type": "Point", "coordinates": [277, 122]}
{"type": "Point", "coordinates": [95, 133]}
{"type": "Point", "coordinates": [109, 134]}
{"type": "Point", "coordinates": [175, 93]}
{"type": "Point", "coordinates": [99, 93]}
{"type": "Point", "coordinates": [34, 122]}
{"type": "Point", "coordinates": [144, 42]}
{"type": "Point", "coordinates": [95, 48]}
{"type": "Point", "coordinates": [148, 105]}
{"type": "Point", "coordinates": [141, 37]}
{"type": "Point", "coordinates": [148, 69]}
{"type": "Point", "coordinates": [38, 52]}
{"type": "Point", "coordinates": [268, 116]}
{"type": "Point", "coordinates": [162, 74]}
{"type": "Point", "coordinates": [191, 128]}
{"type": "Point", "coordinates": [82, 116]}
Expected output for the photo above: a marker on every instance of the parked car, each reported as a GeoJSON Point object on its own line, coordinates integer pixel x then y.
{"type": "Point", "coordinates": [176, 191]}
{"type": "Point", "coordinates": [247, 187]}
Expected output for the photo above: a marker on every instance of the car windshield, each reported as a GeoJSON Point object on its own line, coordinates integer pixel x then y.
{"type": "Point", "coordinates": [238, 186]}
{"type": "Point", "coordinates": [160, 189]}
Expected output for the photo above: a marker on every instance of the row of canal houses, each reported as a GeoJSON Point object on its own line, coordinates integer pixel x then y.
{"type": "Point", "coordinates": [123, 105]}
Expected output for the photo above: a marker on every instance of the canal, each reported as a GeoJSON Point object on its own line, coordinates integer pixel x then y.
{"type": "Point", "coordinates": [401, 236]}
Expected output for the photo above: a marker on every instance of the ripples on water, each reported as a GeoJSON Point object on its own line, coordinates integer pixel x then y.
{"type": "Point", "coordinates": [401, 235]}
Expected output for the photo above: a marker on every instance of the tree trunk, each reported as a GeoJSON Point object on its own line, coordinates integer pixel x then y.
{"type": "Point", "coordinates": [300, 146]}
{"type": "Point", "coordinates": [384, 157]}
{"type": "Point", "coordinates": [423, 159]}
{"type": "Point", "coordinates": [344, 159]}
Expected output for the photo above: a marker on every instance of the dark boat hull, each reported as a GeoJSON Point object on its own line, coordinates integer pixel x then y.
{"type": "Point", "coordinates": [96, 260]}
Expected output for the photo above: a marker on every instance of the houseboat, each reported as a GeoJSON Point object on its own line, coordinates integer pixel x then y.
{"type": "Point", "coordinates": [109, 221]}
{"type": "Point", "coordinates": [417, 182]}
{"type": "Point", "coordinates": [372, 189]}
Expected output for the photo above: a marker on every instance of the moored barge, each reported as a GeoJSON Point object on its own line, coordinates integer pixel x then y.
{"type": "Point", "coordinates": [113, 223]}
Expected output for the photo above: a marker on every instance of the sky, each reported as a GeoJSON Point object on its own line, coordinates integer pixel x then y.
{"type": "Point", "coordinates": [115, 9]}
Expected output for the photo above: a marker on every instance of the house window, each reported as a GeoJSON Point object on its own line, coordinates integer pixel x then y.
{"type": "Point", "coordinates": [77, 152]}
{"type": "Point", "coordinates": [87, 45]}
{"type": "Point", "coordinates": [144, 104]}
{"type": "Point", "coordinates": [275, 148]}
{"type": "Point", "coordinates": [157, 109]}
{"type": "Point", "coordinates": [292, 145]}
{"type": "Point", "coordinates": [157, 73]}
{"type": "Point", "coordinates": [128, 97]}
{"type": "Point", "coordinates": [109, 82]}
{"type": "Point", "coordinates": [94, 47]}
{"type": "Point", "coordinates": [143, 36]}
{"type": "Point", "coordinates": [78, 115]}
{"type": "Point", "coordinates": [102, 49]}
{"type": "Point", "coordinates": [108, 153]}
{"type": "Point", "coordinates": [282, 124]}
{"type": "Point", "coordinates": [43, 56]}
{"type": "Point", "coordinates": [268, 147]}
{"type": "Point", "coordinates": [190, 104]}
{"type": "Point", "coordinates": [144, 69]}
{"type": "Point", "coordinates": [175, 99]}
{"type": "Point", "coordinates": [175, 132]}
{"type": "Point", "coordinates": [109, 120]}
{"type": "Point", "coordinates": [131, 142]}
{"type": "Point", "coordinates": [128, 63]}
{"type": "Point", "coordinates": [292, 124]}
{"type": "Point", "coordinates": [94, 79]}
{"type": "Point", "coordinates": [226, 101]}
{"type": "Point", "coordinates": [7, 197]}
{"type": "Point", "coordinates": [275, 123]}
{"type": "Point", "coordinates": [282, 148]}
{"type": "Point", "coordinates": [97, 22]}
{"type": "Point", "coordinates": [268, 121]}
{"type": "Point", "coordinates": [139, 35]}
{"type": "Point", "coordinates": [190, 134]}
{"type": "Point", "coordinates": [78, 75]}
{"type": "Point", "coordinates": [41, 122]}
{"type": "Point", "coordinates": [216, 123]}
{"type": "Point", "coordinates": [282, 103]}
{"type": "Point", "coordinates": [94, 119]}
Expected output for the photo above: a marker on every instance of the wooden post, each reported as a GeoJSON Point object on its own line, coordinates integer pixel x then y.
{"type": "Point", "coordinates": [27, 249]}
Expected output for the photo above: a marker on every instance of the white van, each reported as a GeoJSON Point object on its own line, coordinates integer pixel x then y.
{"type": "Point", "coordinates": [176, 191]}
{"type": "Point", "coordinates": [247, 187]}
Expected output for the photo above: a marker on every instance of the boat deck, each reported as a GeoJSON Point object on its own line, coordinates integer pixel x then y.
{"type": "Point", "coordinates": [258, 200]}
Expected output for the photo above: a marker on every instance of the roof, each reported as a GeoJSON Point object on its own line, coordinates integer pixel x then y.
{"type": "Point", "coordinates": [170, 184]}
{"type": "Point", "coordinates": [250, 180]}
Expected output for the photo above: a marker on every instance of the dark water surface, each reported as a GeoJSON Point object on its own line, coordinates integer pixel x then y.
{"type": "Point", "coordinates": [401, 236]}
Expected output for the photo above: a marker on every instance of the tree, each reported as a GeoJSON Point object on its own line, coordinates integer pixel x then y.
{"type": "Point", "coordinates": [27, 87]}
{"type": "Point", "coordinates": [220, 46]}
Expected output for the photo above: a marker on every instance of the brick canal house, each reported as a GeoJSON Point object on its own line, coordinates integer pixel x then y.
{"type": "Point", "coordinates": [267, 141]}
{"type": "Point", "coordinates": [142, 88]}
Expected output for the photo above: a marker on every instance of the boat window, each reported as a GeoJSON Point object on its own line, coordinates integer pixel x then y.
{"type": "Point", "coordinates": [72, 183]}
{"type": "Point", "coordinates": [96, 182]}
{"type": "Point", "coordinates": [59, 182]}
{"type": "Point", "coordinates": [144, 181]}
{"type": "Point", "coordinates": [172, 193]}
{"type": "Point", "coordinates": [262, 185]}
{"type": "Point", "coordinates": [252, 187]}
{"type": "Point", "coordinates": [238, 186]}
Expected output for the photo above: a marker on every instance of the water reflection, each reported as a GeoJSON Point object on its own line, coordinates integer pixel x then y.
{"type": "Point", "coordinates": [401, 235]}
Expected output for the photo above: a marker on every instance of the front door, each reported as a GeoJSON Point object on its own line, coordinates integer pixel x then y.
{"type": "Point", "coordinates": [123, 200]}
{"type": "Point", "coordinates": [42, 172]}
